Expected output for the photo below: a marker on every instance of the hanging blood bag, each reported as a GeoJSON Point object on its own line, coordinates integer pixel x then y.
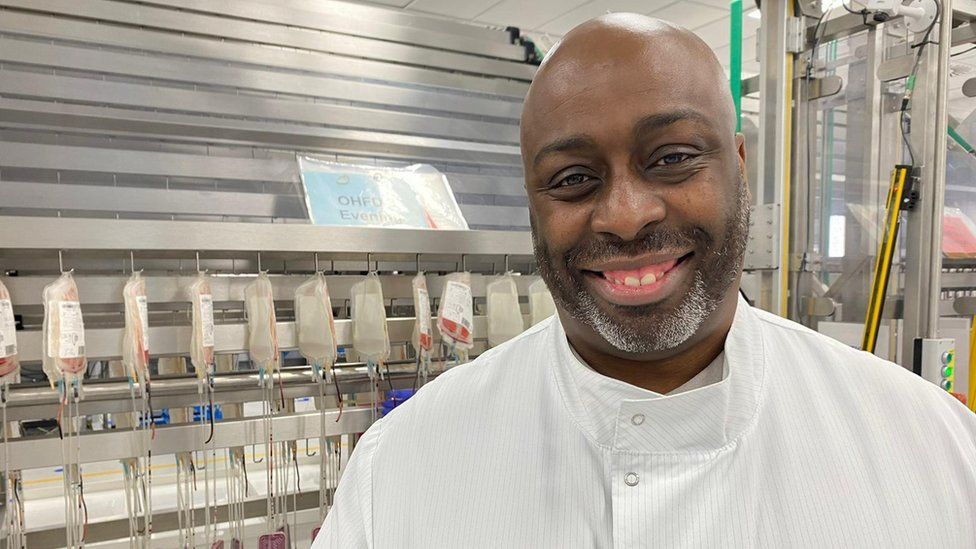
{"type": "Point", "coordinates": [262, 335]}
{"type": "Point", "coordinates": [455, 317]}
{"type": "Point", "coordinates": [370, 337]}
{"type": "Point", "coordinates": [63, 331]}
{"type": "Point", "coordinates": [202, 329]}
{"type": "Point", "coordinates": [135, 338]}
{"type": "Point", "coordinates": [423, 336]}
{"type": "Point", "coordinates": [9, 363]}
{"type": "Point", "coordinates": [541, 305]}
{"type": "Point", "coordinates": [315, 324]}
{"type": "Point", "coordinates": [504, 312]}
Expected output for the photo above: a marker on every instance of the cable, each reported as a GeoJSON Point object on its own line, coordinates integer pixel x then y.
{"type": "Point", "coordinates": [964, 52]}
{"type": "Point", "coordinates": [910, 83]}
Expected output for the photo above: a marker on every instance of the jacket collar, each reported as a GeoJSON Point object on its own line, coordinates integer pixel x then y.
{"type": "Point", "coordinates": [629, 419]}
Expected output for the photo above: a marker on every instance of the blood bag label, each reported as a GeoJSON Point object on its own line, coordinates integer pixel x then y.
{"type": "Point", "coordinates": [207, 319]}
{"type": "Point", "coordinates": [457, 308]}
{"type": "Point", "coordinates": [71, 340]}
{"type": "Point", "coordinates": [143, 306]}
{"type": "Point", "coordinates": [8, 334]}
{"type": "Point", "coordinates": [422, 307]}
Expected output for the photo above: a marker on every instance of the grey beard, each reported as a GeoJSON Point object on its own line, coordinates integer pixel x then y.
{"type": "Point", "coordinates": [672, 331]}
{"type": "Point", "coordinates": [684, 321]}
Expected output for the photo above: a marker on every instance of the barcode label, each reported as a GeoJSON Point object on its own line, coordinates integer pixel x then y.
{"type": "Point", "coordinates": [8, 327]}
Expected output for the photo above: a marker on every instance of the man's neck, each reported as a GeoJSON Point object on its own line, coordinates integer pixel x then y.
{"type": "Point", "coordinates": [666, 373]}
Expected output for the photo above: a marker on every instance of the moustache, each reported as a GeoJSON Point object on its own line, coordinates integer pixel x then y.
{"type": "Point", "coordinates": [662, 239]}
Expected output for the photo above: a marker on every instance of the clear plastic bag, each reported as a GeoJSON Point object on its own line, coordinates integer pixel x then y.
{"type": "Point", "coordinates": [370, 336]}
{"type": "Point", "coordinates": [504, 313]}
{"type": "Point", "coordinates": [423, 333]}
{"type": "Point", "coordinates": [262, 333]}
{"type": "Point", "coordinates": [9, 363]}
{"type": "Point", "coordinates": [541, 305]}
{"type": "Point", "coordinates": [63, 331]}
{"type": "Point", "coordinates": [202, 331]}
{"type": "Point", "coordinates": [455, 317]}
{"type": "Point", "coordinates": [315, 325]}
{"type": "Point", "coordinates": [135, 339]}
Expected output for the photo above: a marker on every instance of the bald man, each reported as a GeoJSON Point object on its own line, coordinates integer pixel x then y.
{"type": "Point", "coordinates": [656, 409]}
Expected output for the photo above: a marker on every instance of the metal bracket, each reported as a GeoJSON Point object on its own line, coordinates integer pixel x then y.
{"type": "Point", "coordinates": [763, 238]}
{"type": "Point", "coordinates": [795, 35]}
{"type": "Point", "coordinates": [825, 86]}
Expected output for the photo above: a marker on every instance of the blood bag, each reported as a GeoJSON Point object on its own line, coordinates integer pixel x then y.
{"type": "Point", "coordinates": [541, 305]}
{"type": "Point", "coordinates": [315, 324]}
{"type": "Point", "coordinates": [262, 334]}
{"type": "Point", "coordinates": [504, 313]}
{"type": "Point", "coordinates": [9, 363]}
{"type": "Point", "coordinates": [455, 318]}
{"type": "Point", "coordinates": [423, 335]}
{"type": "Point", "coordinates": [202, 331]}
{"type": "Point", "coordinates": [135, 339]}
{"type": "Point", "coordinates": [63, 331]}
{"type": "Point", "coordinates": [370, 337]}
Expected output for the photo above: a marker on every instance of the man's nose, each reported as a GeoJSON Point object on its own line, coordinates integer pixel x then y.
{"type": "Point", "coordinates": [626, 207]}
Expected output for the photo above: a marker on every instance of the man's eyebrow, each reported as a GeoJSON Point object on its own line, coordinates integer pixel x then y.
{"type": "Point", "coordinates": [573, 142]}
{"type": "Point", "coordinates": [659, 121]}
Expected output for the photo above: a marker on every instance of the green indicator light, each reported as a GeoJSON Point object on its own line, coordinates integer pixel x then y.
{"type": "Point", "coordinates": [947, 384]}
{"type": "Point", "coordinates": [947, 372]}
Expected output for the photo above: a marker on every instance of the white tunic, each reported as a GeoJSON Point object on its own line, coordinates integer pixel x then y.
{"type": "Point", "coordinates": [804, 442]}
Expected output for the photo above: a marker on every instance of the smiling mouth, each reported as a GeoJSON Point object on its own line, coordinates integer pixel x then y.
{"type": "Point", "coordinates": [638, 281]}
{"type": "Point", "coordinates": [639, 275]}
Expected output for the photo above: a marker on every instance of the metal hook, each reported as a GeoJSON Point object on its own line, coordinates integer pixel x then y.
{"type": "Point", "coordinates": [306, 450]}
{"type": "Point", "coordinates": [418, 264]}
{"type": "Point", "coordinates": [369, 259]}
{"type": "Point", "coordinates": [60, 262]}
{"type": "Point", "coordinates": [464, 262]}
{"type": "Point", "coordinates": [198, 261]}
{"type": "Point", "coordinates": [506, 263]}
{"type": "Point", "coordinates": [254, 454]}
{"type": "Point", "coordinates": [132, 261]}
{"type": "Point", "coordinates": [317, 263]}
{"type": "Point", "coordinates": [259, 262]}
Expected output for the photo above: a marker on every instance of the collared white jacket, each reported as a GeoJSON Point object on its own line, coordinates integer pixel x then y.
{"type": "Point", "coordinates": [805, 442]}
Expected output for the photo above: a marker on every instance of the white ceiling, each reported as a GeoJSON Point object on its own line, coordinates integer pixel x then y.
{"type": "Point", "coordinates": [547, 20]}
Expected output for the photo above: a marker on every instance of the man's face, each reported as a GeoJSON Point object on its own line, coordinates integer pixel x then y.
{"type": "Point", "coordinates": [638, 205]}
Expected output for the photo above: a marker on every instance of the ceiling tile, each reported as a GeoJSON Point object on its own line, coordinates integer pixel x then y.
{"type": "Point", "coordinates": [391, 3]}
{"type": "Point", "coordinates": [527, 15]}
{"type": "Point", "coordinates": [689, 14]}
{"type": "Point", "coordinates": [715, 34]}
{"type": "Point", "coordinates": [724, 4]}
{"type": "Point", "coordinates": [562, 24]}
{"type": "Point", "coordinates": [450, 8]}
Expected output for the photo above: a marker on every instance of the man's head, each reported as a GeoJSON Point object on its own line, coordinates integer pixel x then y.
{"type": "Point", "coordinates": [635, 178]}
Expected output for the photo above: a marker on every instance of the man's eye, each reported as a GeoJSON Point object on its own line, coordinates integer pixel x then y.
{"type": "Point", "coordinates": [572, 179]}
{"type": "Point", "coordinates": [672, 159]}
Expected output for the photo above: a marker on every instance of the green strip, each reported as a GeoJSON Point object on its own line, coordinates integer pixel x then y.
{"type": "Point", "coordinates": [735, 60]}
{"type": "Point", "coordinates": [961, 141]}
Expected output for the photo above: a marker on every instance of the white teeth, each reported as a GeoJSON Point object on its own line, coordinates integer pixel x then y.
{"type": "Point", "coordinates": [647, 279]}
{"type": "Point", "coordinates": [617, 282]}
{"type": "Point", "coordinates": [632, 282]}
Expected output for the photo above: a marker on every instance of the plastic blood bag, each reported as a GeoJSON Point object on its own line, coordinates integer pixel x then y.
{"type": "Point", "coordinates": [423, 334]}
{"type": "Point", "coordinates": [455, 318]}
{"type": "Point", "coordinates": [370, 337]}
{"type": "Point", "coordinates": [316, 326]}
{"type": "Point", "coordinates": [504, 313]}
{"type": "Point", "coordinates": [541, 305]}
{"type": "Point", "coordinates": [9, 363]}
{"type": "Point", "coordinates": [262, 334]}
{"type": "Point", "coordinates": [202, 330]}
{"type": "Point", "coordinates": [64, 330]}
{"type": "Point", "coordinates": [135, 340]}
